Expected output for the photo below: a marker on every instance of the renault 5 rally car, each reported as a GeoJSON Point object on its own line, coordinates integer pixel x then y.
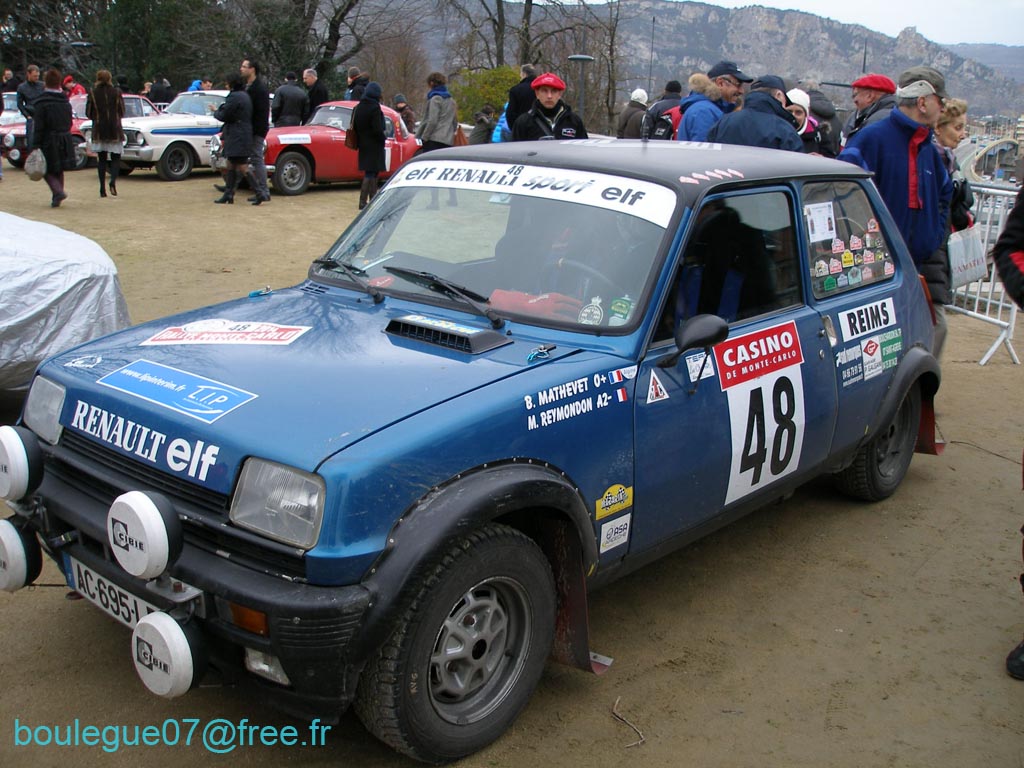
{"type": "Point", "coordinates": [523, 371]}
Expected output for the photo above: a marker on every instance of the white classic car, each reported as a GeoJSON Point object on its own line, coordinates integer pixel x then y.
{"type": "Point", "coordinates": [176, 140]}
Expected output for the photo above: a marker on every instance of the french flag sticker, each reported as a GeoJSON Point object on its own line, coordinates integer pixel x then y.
{"type": "Point", "coordinates": [621, 396]}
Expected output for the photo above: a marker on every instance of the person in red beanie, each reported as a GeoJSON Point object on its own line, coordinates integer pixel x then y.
{"type": "Point", "coordinates": [549, 117]}
{"type": "Point", "coordinates": [71, 88]}
{"type": "Point", "coordinates": [874, 97]}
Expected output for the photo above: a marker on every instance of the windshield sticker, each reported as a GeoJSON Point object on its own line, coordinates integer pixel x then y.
{"type": "Point", "coordinates": [220, 331]}
{"type": "Point", "coordinates": [636, 197]}
{"type": "Point", "coordinates": [615, 532]}
{"type": "Point", "coordinates": [190, 457]}
{"type": "Point", "coordinates": [616, 499]}
{"type": "Point", "coordinates": [294, 138]}
{"type": "Point", "coordinates": [592, 313]}
{"type": "Point", "coordinates": [196, 396]}
{"type": "Point", "coordinates": [860, 321]}
{"type": "Point", "coordinates": [821, 222]}
{"type": "Point", "coordinates": [757, 354]}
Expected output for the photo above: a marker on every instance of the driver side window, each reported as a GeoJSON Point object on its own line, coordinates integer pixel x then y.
{"type": "Point", "coordinates": [740, 261]}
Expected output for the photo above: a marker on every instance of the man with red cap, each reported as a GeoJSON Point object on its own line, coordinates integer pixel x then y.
{"type": "Point", "coordinates": [549, 117]}
{"type": "Point", "coordinates": [874, 97]}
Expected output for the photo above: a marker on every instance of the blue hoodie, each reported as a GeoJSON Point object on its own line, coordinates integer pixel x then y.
{"type": "Point", "coordinates": [699, 114]}
{"type": "Point", "coordinates": [910, 175]}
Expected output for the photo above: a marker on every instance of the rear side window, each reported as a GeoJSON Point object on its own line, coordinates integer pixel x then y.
{"type": "Point", "coordinates": [847, 249]}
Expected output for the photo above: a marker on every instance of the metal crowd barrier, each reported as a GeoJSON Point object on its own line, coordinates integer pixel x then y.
{"type": "Point", "coordinates": [985, 299]}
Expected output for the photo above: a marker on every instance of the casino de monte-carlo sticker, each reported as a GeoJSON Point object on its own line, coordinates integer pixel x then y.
{"type": "Point", "coordinates": [760, 374]}
{"type": "Point", "coordinates": [221, 331]}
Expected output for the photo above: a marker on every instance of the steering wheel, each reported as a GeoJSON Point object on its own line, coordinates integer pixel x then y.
{"type": "Point", "coordinates": [589, 271]}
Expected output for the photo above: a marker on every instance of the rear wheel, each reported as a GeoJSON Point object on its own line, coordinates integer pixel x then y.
{"type": "Point", "coordinates": [176, 163]}
{"type": "Point", "coordinates": [883, 461]}
{"type": "Point", "coordinates": [468, 652]}
{"type": "Point", "coordinates": [292, 173]}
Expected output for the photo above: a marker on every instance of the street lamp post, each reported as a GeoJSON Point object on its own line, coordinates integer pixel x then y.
{"type": "Point", "coordinates": [583, 59]}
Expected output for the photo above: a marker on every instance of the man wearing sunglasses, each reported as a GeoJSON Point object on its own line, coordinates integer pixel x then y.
{"type": "Point", "coordinates": [701, 110]}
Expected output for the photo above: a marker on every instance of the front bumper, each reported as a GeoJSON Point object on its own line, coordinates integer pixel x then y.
{"type": "Point", "coordinates": [308, 629]}
{"type": "Point", "coordinates": [138, 155]}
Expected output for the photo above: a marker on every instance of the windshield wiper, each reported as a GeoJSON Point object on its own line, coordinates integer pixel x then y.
{"type": "Point", "coordinates": [447, 287]}
{"type": "Point", "coordinates": [354, 274]}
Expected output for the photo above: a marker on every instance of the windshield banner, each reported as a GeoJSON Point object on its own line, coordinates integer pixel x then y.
{"type": "Point", "coordinates": [635, 197]}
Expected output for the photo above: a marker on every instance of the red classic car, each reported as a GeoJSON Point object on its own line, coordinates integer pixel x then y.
{"type": "Point", "coordinates": [300, 155]}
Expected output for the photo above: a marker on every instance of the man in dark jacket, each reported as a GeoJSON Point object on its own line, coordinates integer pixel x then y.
{"type": "Point", "coordinates": [669, 98]}
{"type": "Point", "coordinates": [317, 91]}
{"type": "Point", "coordinates": [52, 134]}
{"type": "Point", "coordinates": [260, 97]}
{"type": "Point", "coordinates": [357, 82]}
{"type": "Point", "coordinates": [521, 95]}
{"type": "Point", "coordinates": [291, 103]}
{"type": "Point", "coordinates": [28, 92]}
{"type": "Point", "coordinates": [829, 124]}
{"type": "Point", "coordinates": [763, 121]}
{"type": "Point", "coordinates": [549, 117]}
{"type": "Point", "coordinates": [10, 82]}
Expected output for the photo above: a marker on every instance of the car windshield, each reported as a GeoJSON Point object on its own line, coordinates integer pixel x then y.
{"type": "Point", "coordinates": [195, 104]}
{"type": "Point", "coordinates": [548, 246]}
{"type": "Point", "coordinates": [336, 117]}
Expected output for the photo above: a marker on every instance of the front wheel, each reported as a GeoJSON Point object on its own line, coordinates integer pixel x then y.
{"type": "Point", "coordinates": [292, 173]}
{"type": "Point", "coordinates": [882, 462]}
{"type": "Point", "coordinates": [175, 163]}
{"type": "Point", "coordinates": [467, 654]}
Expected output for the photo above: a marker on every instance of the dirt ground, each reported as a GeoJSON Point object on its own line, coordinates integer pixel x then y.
{"type": "Point", "coordinates": [818, 632]}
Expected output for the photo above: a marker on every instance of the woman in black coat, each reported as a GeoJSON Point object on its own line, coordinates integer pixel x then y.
{"type": "Point", "coordinates": [236, 136]}
{"type": "Point", "coordinates": [52, 134]}
{"type": "Point", "coordinates": [368, 123]}
{"type": "Point", "coordinates": [105, 108]}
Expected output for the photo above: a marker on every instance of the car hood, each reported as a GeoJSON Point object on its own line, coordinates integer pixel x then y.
{"type": "Point", "coordinates": [265, 370]}
{"type": "Point", "coordinates": [164, 121]}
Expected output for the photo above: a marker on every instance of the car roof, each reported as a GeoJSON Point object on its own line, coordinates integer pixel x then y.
{"type": "Point", "coordinates": [691, 168]}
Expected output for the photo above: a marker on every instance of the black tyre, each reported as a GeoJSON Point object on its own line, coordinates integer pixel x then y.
{"type": "Point", "coordinates": [292, 173]}
{"type": "Point", "coordinates": [176, 163]}
{"type": "Point", "coordinates": [467, 654]}
{"type": "Point", "coordinates": [883, 461]}
{"type": "Point", "coordinates": [81, 159]}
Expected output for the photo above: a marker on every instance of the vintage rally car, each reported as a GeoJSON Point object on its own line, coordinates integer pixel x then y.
{"type": "Point", "coordinates": [316, 153]}
{"type": "Point", "coordinates": [13, 136]}
{"type": "Point", "coordinates": [394, 484]}
{"type": "Point", "coordinates": [176, 140]}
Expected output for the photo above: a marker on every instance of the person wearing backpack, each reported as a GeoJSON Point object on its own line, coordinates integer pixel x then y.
{"type": "Point", "coordinates": [643, 124]}
{"type": "Point", "coordinates": [637, 103]}
{"type": "Point", "coordinates": [710, 98]}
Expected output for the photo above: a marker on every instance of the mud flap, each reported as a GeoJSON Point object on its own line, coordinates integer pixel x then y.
{"type": "Point", "coordinates": [572, 624]}
{"type": "Point", "coordinates": [927, 442]}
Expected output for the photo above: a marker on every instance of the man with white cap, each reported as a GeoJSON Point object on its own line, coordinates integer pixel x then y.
{"type": "Point", "coordinates": [909, 170]}
{"type": "Point", "coordinates": [549, 117]}
{"type": "Point", "coordinates": [637, 103]}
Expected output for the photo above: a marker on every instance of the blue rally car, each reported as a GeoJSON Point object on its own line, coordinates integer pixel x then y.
{"type": "Point", "coordinates": [525, 370]}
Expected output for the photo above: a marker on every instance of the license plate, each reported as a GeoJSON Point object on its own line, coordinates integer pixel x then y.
{"type": "Point", "coordinates": [107, 596]}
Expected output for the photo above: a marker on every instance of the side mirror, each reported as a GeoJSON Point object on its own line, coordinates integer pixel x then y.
{"type": "Point", "coordinates": [700, 331]}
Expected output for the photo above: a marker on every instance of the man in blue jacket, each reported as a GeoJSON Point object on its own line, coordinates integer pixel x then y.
{"type": "Point", "coordinates": [908, 167]}
{"type": "Point", "coordinates": [763, 121]}
{"type": "Point", "coordinates": [707, 103]}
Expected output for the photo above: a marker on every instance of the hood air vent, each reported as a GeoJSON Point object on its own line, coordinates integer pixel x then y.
{"type": "Point", "coordinates": [444, 333]}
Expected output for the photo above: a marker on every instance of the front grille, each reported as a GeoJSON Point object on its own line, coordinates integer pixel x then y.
{"type": "Point", "coordinates": [104, 475]}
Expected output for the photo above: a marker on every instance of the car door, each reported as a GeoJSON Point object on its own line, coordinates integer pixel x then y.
{"type": "Point", "coordinates": [714, 432]}
{"type": "Point", "coordinates": [854, 285]}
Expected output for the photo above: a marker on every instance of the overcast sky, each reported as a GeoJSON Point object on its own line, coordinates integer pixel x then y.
{"type": "Point", "coordinates": [988, 21]}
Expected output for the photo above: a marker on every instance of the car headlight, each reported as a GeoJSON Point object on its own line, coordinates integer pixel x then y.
{"type": "Point", "coordinates": [43, 407]}
{"type": "Point", "coordinates": [8, 139]}
{"type": "Point", "coordinates": [279, 502]}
